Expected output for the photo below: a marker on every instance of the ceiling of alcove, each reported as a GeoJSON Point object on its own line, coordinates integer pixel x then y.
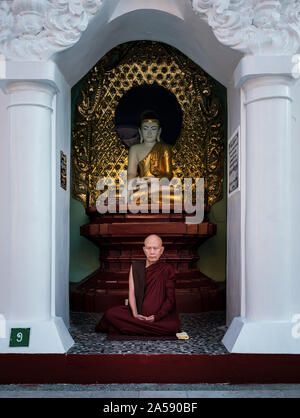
{"type": "Point", "coordinates": [171, 21]}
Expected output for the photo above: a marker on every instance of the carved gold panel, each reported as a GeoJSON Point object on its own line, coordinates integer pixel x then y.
{"type": "Point", "coordinates": [97, 150]}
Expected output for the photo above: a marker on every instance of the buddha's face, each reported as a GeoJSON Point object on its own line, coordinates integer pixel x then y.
{"type": "Point", "coordinates": [149, 131]}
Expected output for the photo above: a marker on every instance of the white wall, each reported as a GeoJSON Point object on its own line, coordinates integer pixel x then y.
{"type": "Point", "coordinates": [61, 204]}
{"type": "Point", "coordinates": [236, 211]}
{"type": "Point", "coordinates": [61, 124]}
{"type": "Point", "coordinates": [4, 208]}
{"type": "Point", "coordinates": [234, 220]}
{"type": "Point", "coordinates": [295, 196]}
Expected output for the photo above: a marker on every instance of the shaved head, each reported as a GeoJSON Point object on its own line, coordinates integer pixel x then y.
{"type": "Point", "coordinates": [153, 238]}
{"type": "Point", "coordinates": [153, 248]}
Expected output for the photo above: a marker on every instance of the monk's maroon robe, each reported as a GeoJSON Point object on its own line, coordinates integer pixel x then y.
{"type": "Point", "coordinates": [159, 300]}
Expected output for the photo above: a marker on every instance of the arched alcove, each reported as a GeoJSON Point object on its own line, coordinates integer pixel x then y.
{"type": "Point", "coordinates": [199, 151]}
{"type": "Point", "coordinates": [37, 98]}
{"type": "Point", "coordinates": [171, 22]}
{"type": "Point", "coordinates": [174, 23]}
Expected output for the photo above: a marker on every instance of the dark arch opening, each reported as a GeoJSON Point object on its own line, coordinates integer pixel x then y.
{"type": "Point", "coordinates": [148, 97]}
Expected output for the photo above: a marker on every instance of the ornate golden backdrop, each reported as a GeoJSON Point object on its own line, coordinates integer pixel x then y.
{"type": "Point", "coordinates": [97, 150]}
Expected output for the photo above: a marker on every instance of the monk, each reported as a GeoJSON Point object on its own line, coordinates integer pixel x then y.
{"type": "Point", "coordinates": [152, 306]}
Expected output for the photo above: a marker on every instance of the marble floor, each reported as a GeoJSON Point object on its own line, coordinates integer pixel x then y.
{"type": "Point", "coordinates": [205, 331]}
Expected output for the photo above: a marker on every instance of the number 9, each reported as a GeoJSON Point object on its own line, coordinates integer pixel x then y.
{"type": "Point", "coordinates": [19, 337]}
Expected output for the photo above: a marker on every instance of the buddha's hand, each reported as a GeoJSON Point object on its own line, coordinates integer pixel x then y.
{"type": "Point", "coordinates": [150, 318]}
{"type": "Point", "coordinates": [147, 179]}
{"type": "Point", "coordinates": [133, 182]}
{"type": "Point", "coordinates": [139, 182]}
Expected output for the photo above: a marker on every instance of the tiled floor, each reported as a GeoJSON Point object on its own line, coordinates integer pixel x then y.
{"type": "Point", "coordinates": [150, 390]}
{"type": "Point", "coordinates": [205, 330]}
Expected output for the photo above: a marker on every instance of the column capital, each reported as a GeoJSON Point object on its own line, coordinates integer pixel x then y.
{"type": "Point", "coordinates": [15, 86]}
{"type": "Point", "coordinates": [254, 67]}
{"type": "Point", "coordinates": [257, 27]}
{"type": "Point", "coordinates": [28, 74]}
{"type": "Point", "coordinates": [33, 30]}
{"type": "Point", "coordinates": [34, 93]}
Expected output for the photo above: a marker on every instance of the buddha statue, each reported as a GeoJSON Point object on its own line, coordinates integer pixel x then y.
{"type": "Point", "coordinates": [151, 158]}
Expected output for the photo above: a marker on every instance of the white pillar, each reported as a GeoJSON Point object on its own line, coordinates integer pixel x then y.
{"type": "Point", "coordinates": [267, 234]}
{"type": "Point", "coordinates": [267, 325]}
{"type": "Point", "coordinates": [28, 287]}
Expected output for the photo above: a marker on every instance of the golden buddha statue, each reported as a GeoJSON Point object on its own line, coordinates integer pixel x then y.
{"type": "Point", "coordinates": [151, 158]}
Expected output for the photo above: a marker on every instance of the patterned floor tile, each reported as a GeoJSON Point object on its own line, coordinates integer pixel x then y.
{"type": "Point", "coordinates": [205, 330]}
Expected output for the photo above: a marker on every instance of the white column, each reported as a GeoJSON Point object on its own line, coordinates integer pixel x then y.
{"type": "Point", "coordinates": [267, 230]}
{"type": "Point", "coordinates": [30, 119]}
{"type": "Point", "coordinates": [28, 287]}
{"type": "Point", "coordinates": [267, 325]}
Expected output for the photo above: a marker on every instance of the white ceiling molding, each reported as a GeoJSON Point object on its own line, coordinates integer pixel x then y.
{"type": "Point", "coordinates": [32, 30]}
{"type": "Point", "coordinates": [257, 27]}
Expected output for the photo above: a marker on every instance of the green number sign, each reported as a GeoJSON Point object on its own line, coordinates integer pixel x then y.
{"type": "Point", "coordinates": [19, 337]}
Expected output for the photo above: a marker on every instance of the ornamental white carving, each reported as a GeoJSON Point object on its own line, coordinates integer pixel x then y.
{"type": "Point", "coordinates": [33, 30]}
{"type": "Point", "coordinates": [258, 27]}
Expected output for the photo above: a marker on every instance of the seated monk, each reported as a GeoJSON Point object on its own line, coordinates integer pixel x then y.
{"type": "Point", "coordinates": [152, 306]}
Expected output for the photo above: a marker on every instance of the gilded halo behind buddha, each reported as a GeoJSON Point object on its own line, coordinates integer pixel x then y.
{"type": "Point", "coordinates": [97, 150]}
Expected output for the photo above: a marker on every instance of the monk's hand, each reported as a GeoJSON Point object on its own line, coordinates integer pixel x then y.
{"type": "Point", "coordinates": [150, 318]}
{"type": "Point", "coordinates": [141, 317]}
